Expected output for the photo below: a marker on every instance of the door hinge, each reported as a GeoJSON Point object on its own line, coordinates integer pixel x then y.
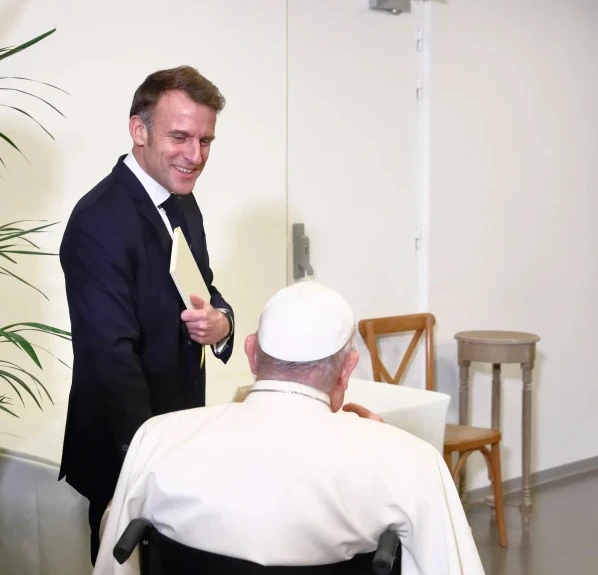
{"type": "Point", "coordinates": [419, 44]}
{"type": "Point", "coordinates": [301, 265]}
{"type": "Point", "coordinates": [419, 88]}
{"type": "Point", "coordinates": [418, 240]}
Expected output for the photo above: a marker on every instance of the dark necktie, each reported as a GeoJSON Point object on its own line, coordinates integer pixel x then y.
{"type": "Point", "coordinates": [174, 211]}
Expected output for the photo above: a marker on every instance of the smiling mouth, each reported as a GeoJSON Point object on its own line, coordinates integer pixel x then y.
{"type": "Point", "coordinates": [183, 170]}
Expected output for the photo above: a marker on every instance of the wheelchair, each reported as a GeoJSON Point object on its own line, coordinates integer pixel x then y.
{"type": "Point", "coordinates": [160, 555]}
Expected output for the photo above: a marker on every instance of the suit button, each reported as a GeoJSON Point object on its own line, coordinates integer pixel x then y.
{"type": "Point", "coordinates": [189, 342]}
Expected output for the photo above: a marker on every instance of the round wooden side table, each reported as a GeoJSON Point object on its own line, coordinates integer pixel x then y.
{"type": "Point", "coordinates": [498, 347]}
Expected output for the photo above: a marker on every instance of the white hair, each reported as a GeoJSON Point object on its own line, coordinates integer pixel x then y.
{"type": "Point", "coordinates": [321, 374]}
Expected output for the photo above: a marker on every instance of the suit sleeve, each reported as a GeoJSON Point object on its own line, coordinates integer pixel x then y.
{"type": "Point", "coordinates": [100, 283]}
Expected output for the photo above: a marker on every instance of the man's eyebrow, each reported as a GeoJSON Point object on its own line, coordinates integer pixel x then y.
{"type": "Point", "coordinates": [188, 135]}
{"type": "Point", "coordinates": [179, 133]}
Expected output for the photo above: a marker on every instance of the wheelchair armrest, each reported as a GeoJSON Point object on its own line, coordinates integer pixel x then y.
{"type": "Point", "coordinates": [385, 553]}
{"type": "Point", "coordinates": [129, 539]}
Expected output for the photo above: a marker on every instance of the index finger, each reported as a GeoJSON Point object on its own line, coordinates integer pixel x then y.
{"type": "Point", "coordinates": [361, 411]}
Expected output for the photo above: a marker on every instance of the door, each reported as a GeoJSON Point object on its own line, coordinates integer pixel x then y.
{"type": "Point", "coordinates": [352, 117]}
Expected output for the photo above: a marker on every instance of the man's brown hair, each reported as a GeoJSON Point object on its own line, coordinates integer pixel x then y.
{"type": "Point", "coordinates": [183, 78]}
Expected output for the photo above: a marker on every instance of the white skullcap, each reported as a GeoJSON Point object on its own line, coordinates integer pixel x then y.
{"type": "Point", "coordinates": [305, 322]}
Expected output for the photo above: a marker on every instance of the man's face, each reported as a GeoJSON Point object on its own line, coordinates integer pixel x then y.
{"type": "Point", "coordinates": [176, 151]}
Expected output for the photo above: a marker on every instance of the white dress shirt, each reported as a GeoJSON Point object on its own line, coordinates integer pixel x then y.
{"type": "Point", "coordinates": [281, 480]}
{"type": "Point", "coordinates": [159, 194]}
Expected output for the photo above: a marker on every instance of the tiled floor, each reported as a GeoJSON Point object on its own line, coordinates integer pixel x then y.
{"type": "Point", "coordinates": [564, 532]}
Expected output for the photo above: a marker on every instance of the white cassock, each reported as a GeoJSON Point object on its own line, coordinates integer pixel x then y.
{"type": "Point", "coordinates": [280, 480]}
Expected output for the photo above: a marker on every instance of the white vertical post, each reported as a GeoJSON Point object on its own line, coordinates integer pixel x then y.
{"type": "Point", "coordinates": [424, 17]}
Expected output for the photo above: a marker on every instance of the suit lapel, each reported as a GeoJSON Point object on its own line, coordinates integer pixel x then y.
{"type": "Point", "coordinates": [189, 209]}
{"type": "Point", "coordinates": [151, 214]}
{"type": "Point", "coordinates": [146, 207]}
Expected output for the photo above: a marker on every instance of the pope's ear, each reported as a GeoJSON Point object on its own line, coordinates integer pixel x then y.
{"type": "Point", "coordinates": [251, 351]}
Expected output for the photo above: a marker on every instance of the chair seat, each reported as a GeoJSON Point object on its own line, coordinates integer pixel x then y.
{"type": "Point", "coordinates": [466, 437]}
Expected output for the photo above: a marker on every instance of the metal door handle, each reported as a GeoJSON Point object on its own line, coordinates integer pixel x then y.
{"type": "Point", "coordinates": [301, 265]}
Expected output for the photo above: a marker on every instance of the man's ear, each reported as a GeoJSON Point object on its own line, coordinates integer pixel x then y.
{"type": "Point", "coordinates": [337, 393]}
{"type": "Point", "coordinates": [138, 131]}
{"type": "Point", "coordinates": [349, 365]}
{"type": "Point", "coordinates": [251, 352]}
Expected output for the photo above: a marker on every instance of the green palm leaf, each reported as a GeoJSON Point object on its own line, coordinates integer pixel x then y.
{"type": "Point", "coordinates": [35, 326]}
{"type": "Point", "coordinates": [7, 374]}
{"type": "Point", "coordinates": [21, 343]}
{"type": "Point", "coordinates": [50, 353]}
{"type": "Point", "coordinates": [32, 80]}
{"type": "Point", "coordinates": [6, 52]}
{"type": "Point", "coordinates": [28, 115]}
{"type": "Point", "coordinates": [10, 228]}
{"type": "Point", "coordinates": [36, 380]}
{"type": "Point", "coordinates": [4, 401]}
{"type": "Point", "coordinates": [34, 96]}
{"type": "Point", "coordinates": [26, 252]}
{"type": "Point", "coordinates": [8, 258]}
{"type": "Point", "coordinates": [11, 224]}
{"type": "Point", "coordinates": [10, 382]}
{"type": "Point", "coordinates": [7, 139]}
{"type": "Point", "coordinates": [22, 233]}
{"type": "Point", "coordinates": [4, 271]}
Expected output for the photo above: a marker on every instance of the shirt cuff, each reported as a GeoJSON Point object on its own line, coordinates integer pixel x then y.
{"type": "Point", "coordinates": [219, 347]}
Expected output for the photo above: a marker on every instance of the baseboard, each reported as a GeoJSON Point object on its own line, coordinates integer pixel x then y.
{"type": "Point", "coordinates": [539, 478]}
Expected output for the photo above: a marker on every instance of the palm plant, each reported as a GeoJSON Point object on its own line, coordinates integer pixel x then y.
{"type": "Point", "coordinates": [15, 242]}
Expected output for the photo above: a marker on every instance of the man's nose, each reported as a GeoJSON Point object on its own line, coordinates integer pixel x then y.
{"type": "Point", "coordinates": [193, 153]}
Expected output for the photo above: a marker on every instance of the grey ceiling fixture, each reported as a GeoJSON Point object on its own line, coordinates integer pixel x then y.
{"type": "Point", "coordinates": [391, 6]}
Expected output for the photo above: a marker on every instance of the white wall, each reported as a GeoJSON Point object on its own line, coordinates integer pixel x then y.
{"type": "Point", "coordinates": [514, 200]}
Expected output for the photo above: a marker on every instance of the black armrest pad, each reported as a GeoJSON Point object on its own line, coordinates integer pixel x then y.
{"type": "Point", "coordinates": [385, 554]}
{"type": "Point", "coordinates": [129, 539]}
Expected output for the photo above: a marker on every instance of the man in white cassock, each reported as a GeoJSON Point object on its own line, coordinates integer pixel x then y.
{"type": "Point", "coordinates": [287, 477]}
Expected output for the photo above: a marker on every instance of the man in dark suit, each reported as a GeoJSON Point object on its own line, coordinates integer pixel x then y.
{"type": "Point", "coordinates": [137, 352]}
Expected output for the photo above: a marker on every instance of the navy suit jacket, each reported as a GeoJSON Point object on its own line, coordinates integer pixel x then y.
{"type": "Point", "coordinates": [133, 358]}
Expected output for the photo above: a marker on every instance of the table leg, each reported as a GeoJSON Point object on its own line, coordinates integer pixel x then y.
{"type": "Point", "coordinates": [496, 409]}
{"type": "Point", "coordinates": [463, 420]}
{"type": "Point", "coordinates": [526, 451]}
{"type": "Point", "coordinates": [496, 396]}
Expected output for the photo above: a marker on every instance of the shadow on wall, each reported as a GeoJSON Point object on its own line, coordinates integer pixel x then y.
{"type": "Point", "coordinates": [10, 14]}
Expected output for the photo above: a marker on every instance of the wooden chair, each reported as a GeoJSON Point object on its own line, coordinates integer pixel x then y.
{"type": "Point", "coordinates": [461, 439]}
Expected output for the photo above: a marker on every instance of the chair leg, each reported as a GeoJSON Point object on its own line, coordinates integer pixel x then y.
{"type": "Point", "coordinates": [448, 459]}
{"type": "Point", "coordinates": [497, 489]}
